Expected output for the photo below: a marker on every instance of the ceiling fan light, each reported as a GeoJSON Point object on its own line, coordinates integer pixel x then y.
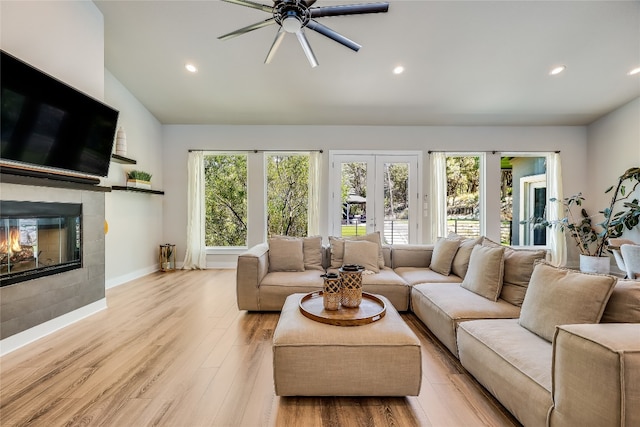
{"type": "Point", "coordinates": [291, 24]}
{"type": "Point", "coordinates": [557, 70]}
{"type": "Point", "coordinates": [634, 71]}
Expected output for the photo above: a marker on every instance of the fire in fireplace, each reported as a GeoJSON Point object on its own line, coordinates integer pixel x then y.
{"type": "Point", "coordinates": [38, 239]}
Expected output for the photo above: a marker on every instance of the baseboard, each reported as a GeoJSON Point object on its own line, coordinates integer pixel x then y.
{"type": "Point", "coordinates": [222, 264]}
{"type": "Point", "coordinates": [21, 339]}
{"type": "Point", "coordinates": [125, 278]}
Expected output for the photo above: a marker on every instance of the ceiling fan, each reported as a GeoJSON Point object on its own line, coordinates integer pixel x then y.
{"type": "Point", "coordinates": [294, 16]}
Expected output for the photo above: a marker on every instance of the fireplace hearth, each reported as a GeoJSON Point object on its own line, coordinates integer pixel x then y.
{"type": "Point", "coordinates": [38, 239]}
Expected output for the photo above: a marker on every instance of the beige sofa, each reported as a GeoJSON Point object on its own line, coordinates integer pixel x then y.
{"type": "Point", "coordinates": [573, 374]}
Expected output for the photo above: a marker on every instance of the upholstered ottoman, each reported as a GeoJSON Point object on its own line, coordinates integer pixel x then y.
{"type": "Point", "coordinates": [316, 359]}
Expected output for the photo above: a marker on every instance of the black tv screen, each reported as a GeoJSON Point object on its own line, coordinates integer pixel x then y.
{"type": "Point", "coordinates": [49, 124]}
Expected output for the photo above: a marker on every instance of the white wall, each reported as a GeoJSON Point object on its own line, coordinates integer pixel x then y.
{"type": "Point", "coordinates": [134, 219]}
{"type": "Point", "coordinates": [62, 38]}
{"type": "Point", "coordinates": [177, 139]}
{"type": "Point", "coordinates": [613, 146]}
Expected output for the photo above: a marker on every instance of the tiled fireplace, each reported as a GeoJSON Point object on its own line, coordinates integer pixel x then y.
{"type": "Point", "coordinates": [52, 252]}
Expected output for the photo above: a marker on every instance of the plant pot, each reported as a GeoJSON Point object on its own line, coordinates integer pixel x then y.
{"type": "Point", "coordinates": [137, 183]}
{"type": "Point", "coordinates": [595, 264]}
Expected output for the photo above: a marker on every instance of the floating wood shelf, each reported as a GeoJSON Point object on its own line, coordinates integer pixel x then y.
{"type": "Point", "coordinates": [121, 159]}
{"type": "Point", "coordinates": [137, 190]}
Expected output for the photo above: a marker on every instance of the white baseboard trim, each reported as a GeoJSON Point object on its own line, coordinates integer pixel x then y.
{"type": "Point", "coordinates": [125, 278]}
{"type": "Point", "coordinates": [23, 338]}
{"type": "Point", "coordinates": [222, 264]}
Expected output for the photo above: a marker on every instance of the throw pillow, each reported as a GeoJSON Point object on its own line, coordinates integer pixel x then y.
{"type": "Point", "coordinates": [443, 253]}
{"type": "Point", "coordinates": [557, 296]}
{"type": "Point", "coordinates": [363, 253]}
{"type": "Point", "coordinates": [518, 266]}
{"type": "Point", "coordinates": [337, 248]}
{"type": "Point", "coordinates": [484, 275]}
{"type": "Point", "coordinates": [460, 263]}
{"type": "Point", "coordinates": [624, 304]}
{"type": "Point", "coordinates": [285, 255]}
{"type": "Point", "coordinates": [312, 251]}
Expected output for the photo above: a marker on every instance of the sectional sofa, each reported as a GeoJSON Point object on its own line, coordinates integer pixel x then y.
{"type": "Point", "coordinates": [556, 347]}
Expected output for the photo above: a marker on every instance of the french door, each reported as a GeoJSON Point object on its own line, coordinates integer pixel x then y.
{"type": "Point", "coordinates": [375, 192]}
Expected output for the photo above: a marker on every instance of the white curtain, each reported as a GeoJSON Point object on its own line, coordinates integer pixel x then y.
{"type": "Point", "coordinates": [438, 197]}
{"type": "Point", "coordinates": [313, 212]}
{"type": "Point", "coordinates": [196, 256]}
{"type": "Point", "coordinates": [557, 238]}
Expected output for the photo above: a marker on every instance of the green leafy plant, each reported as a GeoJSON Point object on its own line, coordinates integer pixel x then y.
{"type": "Point", "coordinates": [592, 239]}
{"type": "Point", "coordinates": [139, 175]}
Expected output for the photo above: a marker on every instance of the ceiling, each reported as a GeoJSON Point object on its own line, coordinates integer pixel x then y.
{"type": "Point", "coordinates": [467, 63]}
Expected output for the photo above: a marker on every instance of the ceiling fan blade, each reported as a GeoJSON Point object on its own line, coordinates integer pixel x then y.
{"type": "Point", "coordinates": [326, 31]}
{"type": "Point", "coordinates": [307, 49]}
{"type": "Point", "coordinates": [253, 5]}
{"type": "Point", "coordinates": [275, 45]}
{"type": "Point", "coordinates": [248, 28]}
{"type": "Point", "coordinates": [348, 9]}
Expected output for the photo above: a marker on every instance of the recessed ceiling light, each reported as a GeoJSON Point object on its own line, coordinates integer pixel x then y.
{"type": "Point", "coordinates": [557, 70]}
{"type": "Point", "coordinates": [634, 71]}
{"type": "Point", "coordinates": [191, 68]}
{"type": "Point", "coordinates": [398, 70]}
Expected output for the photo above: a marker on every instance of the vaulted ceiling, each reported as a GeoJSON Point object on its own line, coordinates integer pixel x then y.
{"type": "Point", "coordinates": [466, 63]}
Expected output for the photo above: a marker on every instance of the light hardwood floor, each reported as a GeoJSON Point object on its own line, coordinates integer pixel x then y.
{"type": "Point", "coordinates": [172, 349]}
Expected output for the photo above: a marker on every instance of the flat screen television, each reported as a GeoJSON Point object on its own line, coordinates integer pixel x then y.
{"type": "Point", "coordinates": [48, 124]}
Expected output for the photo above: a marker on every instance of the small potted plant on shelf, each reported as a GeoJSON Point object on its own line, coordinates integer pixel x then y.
{"type": "Point", "coordinates": [139, 179]}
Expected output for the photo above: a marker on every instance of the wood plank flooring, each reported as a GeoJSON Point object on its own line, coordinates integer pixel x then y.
{"type": "Point", "coordinates": [172, 349]}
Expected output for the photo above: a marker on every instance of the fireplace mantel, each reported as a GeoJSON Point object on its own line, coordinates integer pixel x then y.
{"type": "Point", "coordinates": [10, 178]}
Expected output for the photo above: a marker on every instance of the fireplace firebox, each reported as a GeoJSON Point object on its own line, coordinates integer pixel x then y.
{"type": "Point", "coordinates": [38, 239]}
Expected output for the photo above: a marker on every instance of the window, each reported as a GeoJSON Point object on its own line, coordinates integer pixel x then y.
{"type": "Point", "coordinates": [475, 208]}
{"type": "Point", "coordinates": [523, 196]}
{"type": "Point", "coordinates": [287, 194]}
{"type": "Point", "coordinates": [225, 200]}
{"type": "Point", "coordinates": [463, 195]}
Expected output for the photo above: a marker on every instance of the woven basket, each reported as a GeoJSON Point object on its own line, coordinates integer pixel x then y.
{"type": "Point", "coordinates": [351, 287]}
{"type": "Point", "coordinates": [332, 292]}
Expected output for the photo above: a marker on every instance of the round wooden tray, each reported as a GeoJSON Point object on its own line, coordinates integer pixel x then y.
{"type": "Point", "coordinates": [370, 310]}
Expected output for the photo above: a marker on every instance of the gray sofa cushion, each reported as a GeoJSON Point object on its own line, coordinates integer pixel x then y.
{"type": "Point", "coordinates": [510, 362]}
{"type": "Point", "coordinates": [484, 276]}
{"type": "Point", "coordinates": [442, 306]}
{"type": "Point", "coordinates": [416, 275]}
{"type": "Point", "coordinates": [557, 296]}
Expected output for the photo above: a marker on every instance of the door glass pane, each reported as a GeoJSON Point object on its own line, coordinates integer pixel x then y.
{"type": "Point", "coordinates": [354, 198]}
{"type": "Point", "coordinates": [396, 203]}
{"type": "Point", "coordinates": [463, 195]}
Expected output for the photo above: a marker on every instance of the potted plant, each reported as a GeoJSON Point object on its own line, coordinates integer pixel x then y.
{"type": "Point", "coordinates": [139, 179]}
{"type": "Point", "coordinates": [592, 239]}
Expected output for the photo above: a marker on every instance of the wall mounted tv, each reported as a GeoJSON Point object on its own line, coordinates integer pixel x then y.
{"type": "Point", "coordinates": [50, 125]}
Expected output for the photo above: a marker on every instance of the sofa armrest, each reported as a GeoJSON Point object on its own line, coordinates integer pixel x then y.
{"type": "Point", "coordinates": [596, 375]}
{"type": "Point", "coordinates": [411, 255]}
{"type": "Point", "coordinates": [253, 265]}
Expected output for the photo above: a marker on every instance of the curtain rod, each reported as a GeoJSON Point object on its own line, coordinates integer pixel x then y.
{"type": "Point", "coordinates": [495, 151]}
{"type": "Point", "coordinates": [260, 151]}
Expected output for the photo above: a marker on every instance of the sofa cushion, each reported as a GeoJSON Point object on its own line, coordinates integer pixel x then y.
{"type": "Point", "coordinates": [518, 266]}
{"type": "Point", "coordinates": [624, 304]}
{"type": "Point", "coordinates": [484, 276]}
{"type": "Point", "coordinates": [386, 282]}
{"type": "Point", "coordinates": [405, 255]}
{"type": "Point", "coordinates": [512, 363]}
{"type": "Point", "coordinates": [362, 252]}
{"type": "Point", "coordinates": [558, 296]}
{"type": "Point", "coordinates": [415, 275]}
{"type": "Point", "coordinates": [337, 248]}
{"type": "Point", "coordinates": [460, 263]}
{"type": "Point", "coordinates": [277, 286]}
{"type": "Point", "coordinates": [443, 253]}
{"type": "Point", "coordinates": [286, 255]}
{"type": "Point", "coordinates": [311, 248]}
{"type": "Point", "coordinates": [441, 306]}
